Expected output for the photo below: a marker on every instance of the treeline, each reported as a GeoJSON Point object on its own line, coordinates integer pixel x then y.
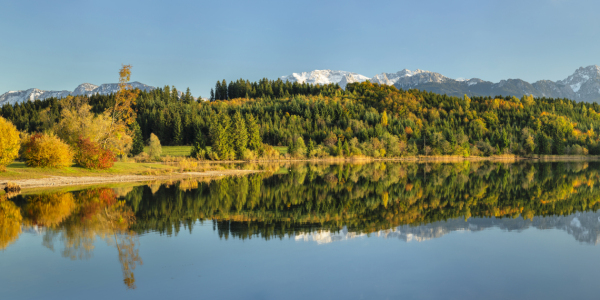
{"type": "Point", "coordinates": [269, 88]}
{"type": "Point", "coordinates": [365, 119]}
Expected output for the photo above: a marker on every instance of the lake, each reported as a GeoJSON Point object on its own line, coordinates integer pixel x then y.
{"type": "Point", "coordinates": [382, 230]}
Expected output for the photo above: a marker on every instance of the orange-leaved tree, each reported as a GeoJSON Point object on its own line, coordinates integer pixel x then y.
{"type": "Point", "coordinates": [121, 114]}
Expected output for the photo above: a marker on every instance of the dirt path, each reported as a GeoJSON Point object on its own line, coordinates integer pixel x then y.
{"type": "Point", "coordinates": [54, 181]}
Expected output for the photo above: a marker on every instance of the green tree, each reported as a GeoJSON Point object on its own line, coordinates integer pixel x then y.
{"type": "Point", "coordinates": [310, 148]}
{"type": "Point", "coordinates": [255, 141]}
{"type": "Point", "coordinates": [177, 130]}
{"type": "Point", "coordinates": [198, 146]}
{"type": "Point", "coordinates": [138, 140]}
{"type": "Point", "coordinates": [240, 134]}
{"type": "Point", "coordinates": [221, 137]}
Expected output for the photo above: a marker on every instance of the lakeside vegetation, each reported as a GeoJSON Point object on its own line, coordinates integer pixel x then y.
{"type": "Point", "coordinates": [281, 120]}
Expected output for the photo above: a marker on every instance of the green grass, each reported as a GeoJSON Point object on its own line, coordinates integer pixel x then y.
{"type": "Point", "coordinates": [18, 170]}
{"type": "Point", "coordinates": [174, 150]}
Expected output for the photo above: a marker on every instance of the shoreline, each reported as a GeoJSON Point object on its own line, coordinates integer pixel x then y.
{"type": "Point", "coordinates": [51, 180]}
{"type": "Point", "coordinates": [62, 181]}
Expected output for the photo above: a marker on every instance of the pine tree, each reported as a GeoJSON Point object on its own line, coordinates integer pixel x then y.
{"type": "Point", "coordinates": [218, 90]}
{"type": "Point", "coordinates": [240, 134]}
{"type": "Point", "coordinates": [254, 140]}
{"type": "Point", "coordinates": [188, 98]}
{"type": "Point", "coordinates": [221, 137]}
{"type": "Point", "coordinates": [224, 90]}
{"type": "Point", "coordinates": [138, 139]}
{"type": "Point", "coordinates": [177, 130]}
{"type": "Point", "coordinates": [198, 146]}
{"type": "Point", "coordinates": [346, 148]}
{"type": "Point", "coordinates": [212, 95]}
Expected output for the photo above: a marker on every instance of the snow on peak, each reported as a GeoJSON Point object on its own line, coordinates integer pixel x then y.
{"type": "Point", "coordinates": [325, 77]}
{"type": "Point", "coordinates": [87, 89]}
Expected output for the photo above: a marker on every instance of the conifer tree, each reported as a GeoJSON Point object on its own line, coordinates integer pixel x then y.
{"type": "Point", "coordinates": [198, 146]}
{"type": "Point", "coordinates": [224, 90]}
{"type": "Point", "coordinates": [212, 95]}
{"type": "Point", "coordinates": [346, 148]}
{"type": "Point", "coordinates": [138, 140]}
{"type": "Point", "coordinates": [240, 134]}
{"type": "Point", "coordinates": [254, 140]}
{"type": "Point", "coordinates": [177, 130]}
{"type": "Point", "coordinates": [218, 90]}
{"type": "Point", "coordinates": [221, 137]}
{"type": "Point", "coordinates": [188, 98]}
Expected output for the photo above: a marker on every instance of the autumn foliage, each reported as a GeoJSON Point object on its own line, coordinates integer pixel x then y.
{"type": "Point", "coordinates": [43, 150]}
{"type": "Point", "coordinates": [92, 156]}
{"type": "Point", "coordinates": [9, 143]}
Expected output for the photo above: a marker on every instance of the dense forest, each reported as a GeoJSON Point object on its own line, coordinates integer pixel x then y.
{"type": "Point", "coordinates": [365, 119]}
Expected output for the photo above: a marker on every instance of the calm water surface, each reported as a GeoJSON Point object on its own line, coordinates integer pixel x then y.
{"type": "Point", "coordinates": [368, 231]}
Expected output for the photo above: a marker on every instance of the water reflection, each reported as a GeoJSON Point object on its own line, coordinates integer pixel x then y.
{"type": "Point", "coordinates": [316, 202]}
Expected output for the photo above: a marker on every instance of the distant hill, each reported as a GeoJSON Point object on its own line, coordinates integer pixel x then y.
{"type": "Point", "coordinates": [582, 85]}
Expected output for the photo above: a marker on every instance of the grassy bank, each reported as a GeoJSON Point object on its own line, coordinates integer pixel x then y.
{"type": "Point", "coordinates": [18, 170]}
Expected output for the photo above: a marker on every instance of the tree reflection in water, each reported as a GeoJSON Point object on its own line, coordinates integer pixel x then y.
{"type": "Point", "coordinates": [291, 200]}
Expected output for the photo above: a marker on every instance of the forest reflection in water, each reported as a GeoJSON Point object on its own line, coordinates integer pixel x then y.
{"type": "Point", "coordinates": [315, 202]}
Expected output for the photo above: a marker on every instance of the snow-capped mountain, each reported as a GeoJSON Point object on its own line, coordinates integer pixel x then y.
{"type": "Point", "coordinates": [88, 89]}
{"type": "Point", "coordinates": [583, 226]}
{"type": "Point", "coordinates": [325, 77]}
{"type": "Point", "coordinates": [583, 85]}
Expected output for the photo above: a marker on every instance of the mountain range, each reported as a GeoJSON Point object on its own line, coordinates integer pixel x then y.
{"type": "Point", "coordinates": [88, 89]}
{"type": "Point", "coordinates": [582, 85]}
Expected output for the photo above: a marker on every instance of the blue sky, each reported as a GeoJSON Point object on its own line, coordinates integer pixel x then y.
{"type": "Point", "coordinates": [56, 45]}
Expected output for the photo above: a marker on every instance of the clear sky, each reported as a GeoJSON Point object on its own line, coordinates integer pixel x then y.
{"type": "Point", "coordinates": [57, 45]}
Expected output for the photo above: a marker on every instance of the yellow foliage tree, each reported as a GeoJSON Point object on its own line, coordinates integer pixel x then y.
{"type": "Point", "coordinates": [10, 143]}
{"type": "Point", "coordinates": [50, 209]}
{"type": "Point", "coordinates": [155, 147]}
{"type": "Point", "coordinates": [10, 223]}
{"type": "Point", "coordinates": [43, 150]}
{"type": "Point", "coordinates": [77, 120]}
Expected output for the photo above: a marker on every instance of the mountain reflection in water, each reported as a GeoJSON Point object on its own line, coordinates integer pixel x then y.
{"type": "Point", "coordinates": [316, 202]}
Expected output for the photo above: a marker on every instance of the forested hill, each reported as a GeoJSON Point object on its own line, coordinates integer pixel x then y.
{"type": "Point", "coordinates": [364, 119]}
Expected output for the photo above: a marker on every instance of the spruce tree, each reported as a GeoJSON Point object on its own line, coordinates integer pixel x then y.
{"type": "Point", "coordinates": [218, 90]}
{"type": "Point", "coordinates": [212, 95]}
{"type": "Point", "coordinates": [138, 139]}
{"type": "Point", "coordinates": [224, 90]}
{"type": "Point", "coordinates": [346, 148]}
{"type": "Point", "coordinates": [188, 98]}
{"type": "Point", "coordinates": [198, 146]}
{"type": "Point", "coordinates": [240, 134]}
{"type": "Point", "coordinates": [254, 140]}
{"type": "Point", "coordinates": [177, 130]}
{"type": "Point", "coordinates": [221, 137]}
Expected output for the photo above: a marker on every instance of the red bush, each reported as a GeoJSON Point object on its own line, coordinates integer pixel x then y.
{"type": "Point", "coordinates": [92, 156]}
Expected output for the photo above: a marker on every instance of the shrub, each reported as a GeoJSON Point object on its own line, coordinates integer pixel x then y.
{"type": "Point", "coordinates": [10, 143]}
{"type": "Point", "coordinates": [155, 148]}
{"type": "Point", "coordinates": [92, 156]}
{"type": "Point", "coordinates": [42, 150]}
